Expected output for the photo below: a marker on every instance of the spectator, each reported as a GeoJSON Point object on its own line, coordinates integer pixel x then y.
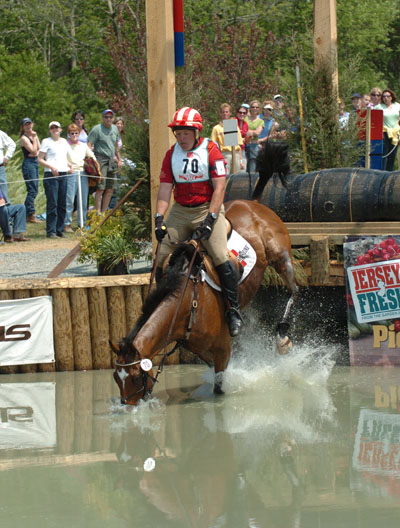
{"type": "Point", "coordinates": [76, 156]}
{"type": "Point", "coordinates": [12, 221]}
{"type": "Point", "coordinates": [391, 114]}
{"type": "Point", "coordinates": [53, 157]}
{"type": "Point", "coordinates": [217, 135]}
{"type": "Point", "coordinates": [376, 95]}
{"type": "Point", "coordinates": [343, 115]}
{"type": "Point", "coordinates": [30, 146]}
{"type": "Point", "coordinates": [199, 190]}
{"type": "Point", "coordinates": [255, 125]}
{"type": "Point", "coordinates": [270, 125]}
{"type": "Point", "coordinates": [241, 113]}
{"type": "Point", "coordinates": [104, 140]}
{"type": "Point", "coordinates": [246, 107]}
{"type": "Point", "coordinates": [120, 124]}
{"type": "Point", "coordinates": [7, 148]}
{"type": "Point", "coordinates": [366, 102]}
{"type": "Point", "coordinates": [281, 118]}
{"type": "Point", "coordinates": [78, 118]}
{"type": "Point", "coordinates": [355, 102]}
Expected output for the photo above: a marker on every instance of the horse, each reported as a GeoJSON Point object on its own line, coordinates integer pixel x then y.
{"type": "Point", "coordinates": [272, 159]}
{"type": "Point", "coordinates": [169, 311]}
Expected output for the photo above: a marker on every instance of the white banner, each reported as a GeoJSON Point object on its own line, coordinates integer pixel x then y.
{"type": "Point", "coordinates": [26, 331]}
{"type": "Point", "coordinates": [27, 415]}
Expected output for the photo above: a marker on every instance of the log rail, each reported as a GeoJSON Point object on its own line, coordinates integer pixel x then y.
{"type": "Point", "coordinates": [322, 271]}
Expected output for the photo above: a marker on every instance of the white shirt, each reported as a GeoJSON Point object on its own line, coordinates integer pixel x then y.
{"type": "Point", "coordinates": [7, 146]}
{"type": "Point", "coordinates": [56, 153]}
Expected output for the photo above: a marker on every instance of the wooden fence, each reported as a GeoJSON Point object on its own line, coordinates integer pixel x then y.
{"type": "Point", "coordinates": [87, 313]}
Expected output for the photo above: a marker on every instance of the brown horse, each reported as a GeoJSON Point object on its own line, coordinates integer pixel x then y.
{"type": "Point", "coordinates": [167, 312]}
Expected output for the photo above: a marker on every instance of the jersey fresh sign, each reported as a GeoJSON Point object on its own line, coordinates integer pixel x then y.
{"type": "Point", "coordinates": [375, 290]}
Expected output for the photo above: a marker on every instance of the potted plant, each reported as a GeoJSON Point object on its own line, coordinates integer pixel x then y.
{"type": "Point", "coordinates": [110, 246]}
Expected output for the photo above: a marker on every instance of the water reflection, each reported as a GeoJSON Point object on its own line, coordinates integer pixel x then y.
{"type": "Point", "coordinates": [293, 443]}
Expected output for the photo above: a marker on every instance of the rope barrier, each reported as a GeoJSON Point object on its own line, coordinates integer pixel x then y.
{"type": "Point", "coordinates": [63, 176]}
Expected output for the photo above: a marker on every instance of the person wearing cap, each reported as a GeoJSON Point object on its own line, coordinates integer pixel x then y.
{"type": "Point", "coordinates": [282, 120]}
{"type": "Point", "coordinates": [12, 221]}
{"type": "Point", "coordinates": [103, 139]}
{"type": "Point", "coordinates": [7, 149]}
{"type": "Point", "coordinates": [30, 146]}
{"type": "Point", "coordinates": [53, 156]}
{"type": "Point", "coordinates": [195, 169]}
{"type": "Point", "coordinates": [217, 135]}
{"type": "Point", "coordinates": [355, 102]}
{"type": "Point", "coordinates": [269, 122]}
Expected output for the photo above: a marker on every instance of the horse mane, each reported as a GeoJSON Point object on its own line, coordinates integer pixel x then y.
{"type": "Point", "coordinates": [170, 283]}
{"type": "Point", "coordinates": [272, 160]}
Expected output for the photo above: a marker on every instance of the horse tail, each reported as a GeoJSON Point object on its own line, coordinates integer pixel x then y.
{"type": "Point", "coordinates": [272, 159]}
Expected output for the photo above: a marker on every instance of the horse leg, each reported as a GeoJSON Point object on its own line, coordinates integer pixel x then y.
{"type": "Point", "coordinates": [285, 268]}
{"type": "Point", "coordinates": [221, 360]}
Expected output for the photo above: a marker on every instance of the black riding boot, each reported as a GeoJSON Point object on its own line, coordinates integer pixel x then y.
{"type": "Point", "coordinates": [229, 284]}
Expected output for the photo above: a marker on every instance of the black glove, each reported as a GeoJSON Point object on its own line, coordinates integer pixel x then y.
{"type": "Point", "coordinates": [161, 228]}
{"type": "Point", "coordinates": [203, 232]}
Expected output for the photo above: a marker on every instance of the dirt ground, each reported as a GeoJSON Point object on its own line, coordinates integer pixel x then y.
{"type": "Point", "coordinates": [39, 245]}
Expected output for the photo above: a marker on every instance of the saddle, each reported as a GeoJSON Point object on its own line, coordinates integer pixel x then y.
{"type": "Point", "coordinates": [205, 262]}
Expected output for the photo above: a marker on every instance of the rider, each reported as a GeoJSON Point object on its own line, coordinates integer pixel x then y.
{"type": "Point", "coordinates": [195, 168]}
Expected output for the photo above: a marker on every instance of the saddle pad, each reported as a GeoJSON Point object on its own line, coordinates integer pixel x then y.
{"type": "Point", "coordinates": [242, 251]}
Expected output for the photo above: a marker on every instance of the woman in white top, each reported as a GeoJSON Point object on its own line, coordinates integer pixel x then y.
{"type": "Point", "coordinates": [76, 156]}
{"type": "Point", "coordinates": [53, 157]}
{"type": "Point", "coordinates": [391, 114]}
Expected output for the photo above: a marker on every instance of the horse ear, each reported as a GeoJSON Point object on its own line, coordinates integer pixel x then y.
{"type": "Point", "coordinates": [114, 347]}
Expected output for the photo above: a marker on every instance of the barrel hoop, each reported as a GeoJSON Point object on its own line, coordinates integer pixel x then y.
{"type": "Point", "coordinates": [350, 192]}
{"type": "Point", "coordinates": [312, 194]}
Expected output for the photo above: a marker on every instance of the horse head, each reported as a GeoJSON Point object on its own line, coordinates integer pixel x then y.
{"type": "Point", "coordinates": [133, 374]}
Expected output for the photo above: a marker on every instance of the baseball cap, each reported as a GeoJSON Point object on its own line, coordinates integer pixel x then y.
{"type": "Point", "coordinates": [26, 120]}
{"type": "Point", "coordinates": [277, 96]}
{"type": "Point", "coordinates": [268, 106]}
{"type": "Point", "coordinates": [356, 95]}
{"type": "Point", "coordinates": [245, 105]}
{"type": "Point", "coordinates": [108, 111]}
{"type": "Point", "coordinates": [54, 123]}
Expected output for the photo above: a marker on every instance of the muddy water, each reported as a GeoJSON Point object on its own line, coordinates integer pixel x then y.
{"type": "Point", "coordinates": [295, 442]}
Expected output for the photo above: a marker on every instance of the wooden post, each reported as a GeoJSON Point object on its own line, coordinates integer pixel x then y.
{"type": "Point", "coordinates": [325, 40]}
{"type": "Point", "coordinates": [43, 367]}
{"type": "Point", "coordinates": [62, 330]}
{"type": "Point", "coordinates": [160, 84]}
{"type": "Point", "coordinates": [319, 249]}
{"type": "Point", "coordinates": [80, 329]}
{"type": "Point", "coordinates": [116, 313]}
{"type": "Point", "coordinates": [99, 331]}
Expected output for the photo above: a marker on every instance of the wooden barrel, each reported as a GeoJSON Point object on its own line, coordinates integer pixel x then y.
{"type": "Point", "coordinates": [331, 195]}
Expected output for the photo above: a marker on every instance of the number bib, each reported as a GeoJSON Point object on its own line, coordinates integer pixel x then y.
{"type": "Point", "coordinates": [190, 166]}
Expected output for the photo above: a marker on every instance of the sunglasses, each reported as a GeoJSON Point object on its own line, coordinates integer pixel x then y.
{"type": "Point", "coordinates": [376, 94]}
{"type": "Point", "coordinates": [386, 95]}
{"type": "Point", "coordinates": [54, 127]}
{"type": "Point", "coordinates": [108, 117]}
{"type": "Point", "coordinates": [79, 119]}
{"type": "Point", "coordinates": [74, 133]}
{"type": "Point", "coordinates": [254, 107]}
{"type": "Point", "coordinates": [242, 112]}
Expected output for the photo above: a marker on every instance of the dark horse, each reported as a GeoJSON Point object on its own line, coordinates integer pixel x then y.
{"type": "Point", "coordinates": [272, 159]}
{"type": "Point", "coordinates": [209, 337]}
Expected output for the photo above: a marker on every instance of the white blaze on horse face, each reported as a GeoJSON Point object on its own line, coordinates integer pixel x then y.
{"type": "Point", "coordinates": [122, 376]}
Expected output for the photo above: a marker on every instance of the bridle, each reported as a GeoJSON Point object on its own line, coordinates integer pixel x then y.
{"type": "Point", "coordinates": [145, 375]}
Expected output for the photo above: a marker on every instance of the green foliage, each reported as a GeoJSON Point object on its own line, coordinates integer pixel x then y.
{"type": "Point", "coordinates": [110, 244]}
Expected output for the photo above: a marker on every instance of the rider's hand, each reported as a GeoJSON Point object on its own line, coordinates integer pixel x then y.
{"type": "Point", "coordinates": [203, 232]}
{"type": "Point", "coordinates": [161, 228]}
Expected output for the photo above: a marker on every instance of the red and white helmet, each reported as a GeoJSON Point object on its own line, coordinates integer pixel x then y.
{"type": "Point", "coordinates": [187, 117]}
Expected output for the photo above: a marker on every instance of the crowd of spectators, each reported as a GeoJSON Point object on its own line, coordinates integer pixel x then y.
{"type": "Point", "coordinates": [64, 175]}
